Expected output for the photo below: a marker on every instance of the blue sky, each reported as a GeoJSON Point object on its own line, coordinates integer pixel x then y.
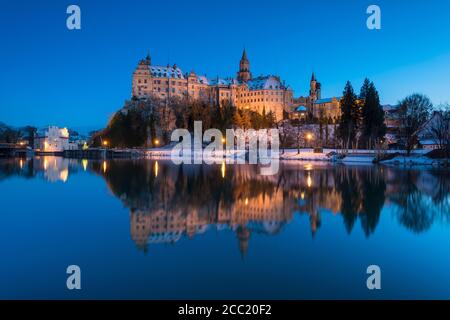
{"type": "Point", "coordinates": [51, 75]}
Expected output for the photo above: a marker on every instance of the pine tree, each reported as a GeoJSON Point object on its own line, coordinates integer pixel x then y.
{"type": "Point", "coordinates": [373, 126]}
{"type": "Point", "coordinates": [348, 123]}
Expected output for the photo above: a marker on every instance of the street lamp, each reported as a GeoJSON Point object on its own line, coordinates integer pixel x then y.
{"type": "Point", "coordinates": [156, 142]}
{"type": "Point", "coordinates": [105, 143]}
{"type": "Point", "coordinates": [309, 137]}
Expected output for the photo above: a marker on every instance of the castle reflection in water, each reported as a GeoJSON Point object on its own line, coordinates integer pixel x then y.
{"type": "Point", "coordinates": [167, 201]}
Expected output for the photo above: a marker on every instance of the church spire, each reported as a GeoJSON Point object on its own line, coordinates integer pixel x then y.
{"type": "Point", "coordinates": [244, 73]}
{"type": "Point", "coordinates": [313, 77]}
{"type": "Point", "coordinates": [244, 56]}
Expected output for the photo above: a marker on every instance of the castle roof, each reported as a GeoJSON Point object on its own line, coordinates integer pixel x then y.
{"type": "Point", "coordinates": [301, 109]}
{"type": "Point", "coordinates": [166, 72]}
{"type": "Point", "coordinates": [203, 80]}
{"type": "Point", "coordinates": [265, 83]}
{"type": "Point", "coordinates": [223, 82]}
{"type": "Point", "coordinates": [327, 100]}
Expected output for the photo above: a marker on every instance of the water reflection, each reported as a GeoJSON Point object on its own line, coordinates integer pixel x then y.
{"type": "Point", "coordinates": [52, 169]}
{"type": "Point", "coordinates": [167, 202]}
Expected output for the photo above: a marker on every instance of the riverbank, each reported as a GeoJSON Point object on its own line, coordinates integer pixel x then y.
{"type": "Point", "coordinates": [417, 158]}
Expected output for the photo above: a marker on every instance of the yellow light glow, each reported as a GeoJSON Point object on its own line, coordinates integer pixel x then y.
{"type": "Point", "coordinates": [309, 180]}
{"type": "Point", "coordinates": [309, 136]}
{"type": "Point", "coordinates": [302, 195]}
{"type": "Point", "coordinates": [21, 163]}
{"type": "Point", "coordinates": [85, 146]}
{"type": "Point", "coordinates": [84, 162]}
{"type": "Point", "coordinates": [105, 143]}
{"type": "Point", "coordinates": [224, 140]}
{"type": "Point", "coordinates": [246, 201]}
{"type": "Point", "coordinates": [45, 145]}
{"type": "Point", "coordinates": [156, 142]}
{"type": "Point", "coordinates": [64, 175]}
{"type": "Point", "coordinates": [308, 167]}
{"type": "Point", "coordinates": [223, 169]}
{"type": "Point", "coordinates": [156, 169]}
{"type": "Point", "coordinates": [105, 166]}
{"type": "Point", "coordinates": [45, 164]}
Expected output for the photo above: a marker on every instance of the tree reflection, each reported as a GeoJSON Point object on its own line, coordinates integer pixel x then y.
{"type": "Point", "coordinates": [167, 202]}
{"type": "Point", "coordinates": [421, 198]}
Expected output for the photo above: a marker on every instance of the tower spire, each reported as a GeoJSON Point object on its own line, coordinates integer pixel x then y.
{"type": "Point", "coordinates": [244, 55]}
{"type": "Point", "coordinates": [244, 73]}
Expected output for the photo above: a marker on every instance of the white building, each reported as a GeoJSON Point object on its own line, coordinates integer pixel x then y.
{"type": "Point", "coordinates": [53, 139]}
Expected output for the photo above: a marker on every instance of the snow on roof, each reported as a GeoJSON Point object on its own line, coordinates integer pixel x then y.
{"type": "Point", "coordinates": [265, 83]}
{"type": "Point", "coordinates": [326, 100]}
{"type": "Point", "coordinates": [202, 79]}
{"type": "Point", "coordinates": [222, 82]}
{"type": "Point", "coordinates": [166, 72]}
{"type": "Point", "coordinates": [389, 107]}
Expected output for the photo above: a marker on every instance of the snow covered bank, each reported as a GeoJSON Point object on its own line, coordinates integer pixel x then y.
{"type": "Point", "coordinates": [414, 160]}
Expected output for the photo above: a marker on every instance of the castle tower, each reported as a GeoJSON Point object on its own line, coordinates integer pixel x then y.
{"type": "Point", "coordinates": [141, 85]}
{"type": "Point", "coordinates": [148, 60]}
{"type": "Point", "coordinates": [244, 73]}
{"type": "Point", "coordinates": [315, 89]}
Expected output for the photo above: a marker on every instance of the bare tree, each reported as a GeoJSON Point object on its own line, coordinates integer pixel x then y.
{"type": "Point", "coordinates": [281, 127]}
{"type": "Point", "coordinates": [439, 128]}
{"type": "Point", "coordinates": [414, 112]}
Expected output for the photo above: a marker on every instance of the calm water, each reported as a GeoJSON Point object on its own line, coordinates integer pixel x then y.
{"type": "Point", "coordinates": [147, 229]}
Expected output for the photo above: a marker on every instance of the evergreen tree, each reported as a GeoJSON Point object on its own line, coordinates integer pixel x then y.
{"type": "Point", "coordinates": [372, 124]}
{"type": "Point", "coordinates": [348, 123]}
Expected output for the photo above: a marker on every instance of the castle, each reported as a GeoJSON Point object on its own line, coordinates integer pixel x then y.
{"type": "Point", "coordinates": [260, 94]}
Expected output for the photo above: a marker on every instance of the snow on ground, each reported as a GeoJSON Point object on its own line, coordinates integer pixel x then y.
{"type": "Point", "coordinates": [411, 161]}
{"type": "Point", "coordinates": [353, 157]}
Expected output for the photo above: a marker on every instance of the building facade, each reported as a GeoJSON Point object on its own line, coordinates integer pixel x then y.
{"type": "Point", "coordinates": [329, 108]}
{"type": "Point", "coordinates": [317, 107]}
{"type": "Point", "coordinates": [260, 94]}
{"type": "Point", "coordinates": [53, 139]}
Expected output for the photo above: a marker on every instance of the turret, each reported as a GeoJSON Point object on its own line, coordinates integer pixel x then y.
{"type": "Point", "coordinates": [314, 92]}
{"type": "Point", "coordinates": [244, 73]}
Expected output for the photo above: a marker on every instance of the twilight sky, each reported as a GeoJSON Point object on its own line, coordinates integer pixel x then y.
{"type": "Point", "coordinates": [51, 75]}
